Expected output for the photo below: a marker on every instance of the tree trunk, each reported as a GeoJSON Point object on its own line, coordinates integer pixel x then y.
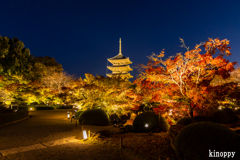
{"type": "Point", "coordinates": [190, 111]}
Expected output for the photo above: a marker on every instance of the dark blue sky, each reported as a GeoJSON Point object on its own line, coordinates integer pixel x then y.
{"type": "Point", "coordinates": [82, 34]}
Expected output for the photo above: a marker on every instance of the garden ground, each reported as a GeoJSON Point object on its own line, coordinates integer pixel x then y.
{"type": "Point", "coordinates": [48, 126]}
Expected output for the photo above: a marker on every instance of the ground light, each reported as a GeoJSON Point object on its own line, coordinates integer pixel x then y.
{"type": "Point", "coordinates": [84, 134]}
{"type": "Point", "coordinates": [68, 115]}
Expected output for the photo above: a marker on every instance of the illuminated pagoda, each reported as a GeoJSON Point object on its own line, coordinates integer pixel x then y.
{"type": "Point", "coordinates": [120, 65]}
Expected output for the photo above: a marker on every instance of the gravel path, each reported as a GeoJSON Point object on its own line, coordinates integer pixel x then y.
{"type": "Point", "coordinates": [72, 151]}
{"type": "Point", "coordinates": [41, 137]}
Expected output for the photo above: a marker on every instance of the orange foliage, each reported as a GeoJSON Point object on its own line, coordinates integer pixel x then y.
{"type": "Point", "coordinates": [185, 80]}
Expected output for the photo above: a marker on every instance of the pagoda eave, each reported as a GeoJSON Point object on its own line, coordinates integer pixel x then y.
{"type": "Point", "coordinates": [128, 76]}
{"type": "Point", "coordinates": [119, 68]}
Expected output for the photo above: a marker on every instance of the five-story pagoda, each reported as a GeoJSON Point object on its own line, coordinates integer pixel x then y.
{"type": "Point", "coordinates": [120, 65]}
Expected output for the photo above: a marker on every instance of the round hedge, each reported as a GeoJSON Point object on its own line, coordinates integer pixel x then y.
{"type": "Point", "coordinates": [94, 117]}
{"type": "Point", "coordinates": [195, 140]}
{"type": "Point", "coordinates": [151, 119]}
{"type": "Point", "coordinates": [185, 120]}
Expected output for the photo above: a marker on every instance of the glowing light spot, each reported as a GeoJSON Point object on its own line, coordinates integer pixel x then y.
{"type": "Point", "coordinates": [146, 125]}
{"type": "Point", "coordinates": [84, 134]}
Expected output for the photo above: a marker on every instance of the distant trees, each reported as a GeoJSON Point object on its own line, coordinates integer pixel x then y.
{"type": "Point", "coordinates": [44, 66]}
{"type": "Point", "coordinates": [14, 58]}
{"type": "Point", "coordinates": [28, 79]}
{"type": "Point", "coordinates": [56, 80]}
{"type": "Point", "coordinates": [189, 83]}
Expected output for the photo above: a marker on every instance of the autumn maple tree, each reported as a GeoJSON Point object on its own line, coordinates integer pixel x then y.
{"type": "Point", "coordinates": [182, 83]}
{"type": "Point", "coordinates": [107, 93]}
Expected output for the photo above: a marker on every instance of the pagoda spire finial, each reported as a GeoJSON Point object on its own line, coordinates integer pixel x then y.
{"type": "Point", "coordinates": [120, 47]}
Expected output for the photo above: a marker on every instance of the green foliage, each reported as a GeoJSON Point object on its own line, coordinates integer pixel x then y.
{"type": "Point", "coordinates": [43, 66]}
{"type": "Point", "coordinates": [151, 119]}
{"type": "Point", "coordinates": [63, 107]}
{"type": "Point", "coordinates": [23, 77]}
{"type": "Point", "coordinates": [94, 117]}
{"type": "Point", "coordinates": [195, 140]}
{"type": "Point", "coordinates": [164, 125]}
{"type": "Point", "coordinates": [78, 113]}
{"type": "Point", "coordinates": [109, 93]}
{"type": "Point", "coordinates": [185, 120]}
{"type": "Point", "coordinates": [224, 116]}
{"type": "Point", "coordinates": [15, 59]}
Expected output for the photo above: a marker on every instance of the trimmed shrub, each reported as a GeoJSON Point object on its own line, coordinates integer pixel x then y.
{"type": "Point", "coordinates": [185, 121]}
{"type": "Point", "coordinates": [224, 116]}
{"type": "Point", "coordinates": [94, 117]}
{"type": "Point", "coordinates": [151, 120]}
{"type": "Point", "coordinates": [195, 140]}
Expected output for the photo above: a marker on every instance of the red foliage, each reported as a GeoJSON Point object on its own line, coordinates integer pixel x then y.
{"type": "Point", "coordinates": [185, 80]}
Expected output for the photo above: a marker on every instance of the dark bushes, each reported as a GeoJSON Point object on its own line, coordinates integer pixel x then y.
{"type": "Point", "coordinates": [21, 114]}
{"type": "Point", "coordinates": [64, 107]}
{"type": "Point", "coordinates": [224, 116]}
{"type": "Point", "coordinates": [94, 117]}
{"type": "Point", "coordinates": [5, 110]}
{"type": "Point", "coordinates": [122, 119]}
{"type": "Point", "coordinates": [188, 120]}
{"type": "Point", "coordinates": [10, 117]}
{"type": "Point", "coordinates": [185, 121]}
{"type": "Point", "coordinates": [45, 108]}
{"type": "Point", "coordinates": [148, 121]}
{"type": "Point", "coordinates": [195, 140]}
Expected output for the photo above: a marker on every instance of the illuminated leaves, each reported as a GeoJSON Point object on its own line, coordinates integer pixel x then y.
{"type": "Point", "coordinates": [107, 93]}
{"type": "Point", "coordinates": [186, 76]}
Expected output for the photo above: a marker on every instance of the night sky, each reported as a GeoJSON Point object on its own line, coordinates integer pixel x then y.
{"type": "Point", "coordinates": [82, 34]}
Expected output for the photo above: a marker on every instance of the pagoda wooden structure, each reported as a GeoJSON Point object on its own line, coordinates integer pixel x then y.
{"type": "Point", "coordinates": [120, 65]}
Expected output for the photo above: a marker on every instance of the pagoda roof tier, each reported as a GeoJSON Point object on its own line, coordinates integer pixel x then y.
{"type": "Point", "coordinates": [119, 56]}
{"type": "Point", "coordinates": [124, 61]}
{"type": "Point", "coordinates": [120, 68]}
{"type": "Point", "coordinates": [128, 75]}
